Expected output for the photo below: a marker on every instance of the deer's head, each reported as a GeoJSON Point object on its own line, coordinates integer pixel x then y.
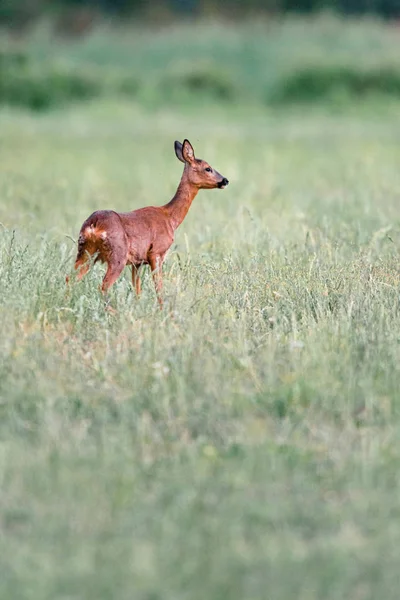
{"type": "Point", "coordinates": [198, 172]}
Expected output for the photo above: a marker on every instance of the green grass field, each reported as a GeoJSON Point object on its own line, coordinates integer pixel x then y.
{"type": "Point", "coordinates": [244, 443]}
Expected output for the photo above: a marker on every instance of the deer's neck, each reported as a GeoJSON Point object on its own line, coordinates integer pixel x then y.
{"type": "Point", "coordinates": [178, 207]}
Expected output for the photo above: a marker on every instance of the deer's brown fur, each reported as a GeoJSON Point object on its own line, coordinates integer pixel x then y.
{"type": "Point", "coordinates": [143, 236]}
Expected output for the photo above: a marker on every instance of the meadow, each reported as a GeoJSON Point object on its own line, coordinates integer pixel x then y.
{"type": "Point", "coordinates": [244, 443]}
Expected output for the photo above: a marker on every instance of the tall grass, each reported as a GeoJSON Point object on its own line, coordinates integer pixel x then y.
{"type": "Point", "coordinates": [243, 443]}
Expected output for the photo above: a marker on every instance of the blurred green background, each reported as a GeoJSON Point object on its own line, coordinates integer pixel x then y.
{"type": "Point", "coordinates": [244, 442]}
{"type": "Point", "coordinates": [62, 51]}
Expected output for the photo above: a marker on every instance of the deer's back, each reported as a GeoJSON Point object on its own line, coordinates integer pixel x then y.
{"type": "Point", "coordinates": [144, 231]}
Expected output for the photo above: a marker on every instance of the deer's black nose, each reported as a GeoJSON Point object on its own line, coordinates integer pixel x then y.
{"type": "Point", "coordinates": [223, 183]}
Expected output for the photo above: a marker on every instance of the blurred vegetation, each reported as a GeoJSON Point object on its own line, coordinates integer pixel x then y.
{"type": "Point", "coordinates": [22, 12]}
{"type": "Point", "coordinates": [35, 85]}
{"type": "Point", "coordinates": [337, 82]}
{"type": "Point", "coordinates": [264, 63]}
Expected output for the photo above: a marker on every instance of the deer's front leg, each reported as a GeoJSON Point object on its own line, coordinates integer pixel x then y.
{"type": "Point", "coordinates": [136, 281]}
{"type": "Point", "coordinates": [156, 271]}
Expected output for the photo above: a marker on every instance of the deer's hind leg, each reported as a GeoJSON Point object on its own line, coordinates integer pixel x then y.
{"type": "Point", "coordinates": [115, 255]}
{"type": "Point", "coordinates": [82, 265]}
{"type": "Point", "coordinates": [114, 270]}
{"type": "Point", "coordinates": [82, 262]}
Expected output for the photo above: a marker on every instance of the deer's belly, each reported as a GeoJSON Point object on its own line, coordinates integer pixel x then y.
{"type": "Point", "coordinates": [137, 257]}
{"type": "Point", "coordinates": [140, 256]}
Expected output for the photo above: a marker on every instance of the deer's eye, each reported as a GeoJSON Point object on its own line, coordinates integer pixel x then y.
{"type": "Point", "coordinates": [208, 169]}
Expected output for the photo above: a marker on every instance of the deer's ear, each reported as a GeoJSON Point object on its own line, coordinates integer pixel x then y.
{"type": "Point", "coordinates": [187, 151]}
{"type": "Point", "coordinates": [178, 151]}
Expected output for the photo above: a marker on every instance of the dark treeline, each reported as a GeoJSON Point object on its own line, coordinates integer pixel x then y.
{"type": "Point", "coordinates": [21, 13]}
{"type": "Point", "coordinates": [382, 7]}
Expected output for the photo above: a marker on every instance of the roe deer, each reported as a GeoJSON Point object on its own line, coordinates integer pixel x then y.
{"type": "Point", "coordinates": [143, 236]}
